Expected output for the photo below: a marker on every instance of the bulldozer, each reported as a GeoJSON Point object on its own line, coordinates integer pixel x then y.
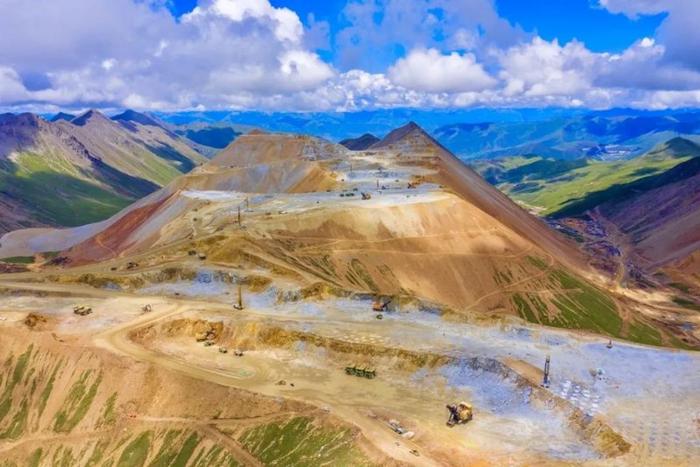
{"type": "Point", "coordinates": [82, 310]}
{"type": "Point", "coordinates": [459, 414]}
{"type": "Point", "coordinates": [362, 372]}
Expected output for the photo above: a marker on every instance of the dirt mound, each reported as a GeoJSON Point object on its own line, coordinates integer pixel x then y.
{"type": "Point", "coordinates": [35, 321]}
{"type": "Point", "coordinates": [265, 148]}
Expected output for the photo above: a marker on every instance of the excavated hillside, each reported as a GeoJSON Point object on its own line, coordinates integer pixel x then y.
{"type": "Point", "coordinates": [404, 218]}
{"type": "Point", "coordinates": [292, 302]}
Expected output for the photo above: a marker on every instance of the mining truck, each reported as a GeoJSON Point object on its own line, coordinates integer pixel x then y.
{"type": "Point", "coordinates": [82, 310]}
{"type": "Point", "coordinates": [363, 372]}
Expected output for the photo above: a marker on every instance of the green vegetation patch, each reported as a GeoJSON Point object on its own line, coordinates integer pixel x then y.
{"type": "Point", "coordinates": [685, 303]}
{"type": "Point", "coordinates": [570, 186]}
{"type": "Point", "coordinates": [63, 457]}
{"type": "Point", "coordinates": [46, 392]}
{"type": "Point", "coordinates": [97, 453]}
{"type": "Point", "coordinates": [539, 263]}
{"type": "Point", "coordinates": [573, 304]}
{"type": "Point", "coordinates": [18, 260]}
{"type": "Point", "coordinates": [18, 372]}
{"type": "Point", "coordinates": [57, 195]}
{"type": "Point", "coordinates": [301, 442]}
{"type": "Point", "coordinates": [35, 459]}
{"type": "Point", "coordinates": [109, 414]}
{"type": "Point", "coordinates": [136, 452]}
{"type": "Point", "coordinates": [644, 334]}
{"type": "Point", "coordinates": [19, 422]}
{"type": "Point", "coordinates": [216, 455]}
{"type": "Point", "coordinates": [685, 288]}
{"type": "Point", "coordinates": [77, 403]}
{"type": "Point", "coordinates": [583, 306]}
{"type": "Point", "coordinates": [176, 449]}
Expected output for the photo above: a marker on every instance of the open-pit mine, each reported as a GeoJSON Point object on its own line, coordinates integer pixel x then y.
{"type": "Point", "coordinates": [295, 303]}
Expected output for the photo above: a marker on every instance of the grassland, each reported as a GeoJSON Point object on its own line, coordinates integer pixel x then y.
{"type": "Point", "coordinates": [58, 197]}
{"type": "Point", "coordinates": [18, 260]}
{"type": "Point", "coordinates": [299, 441]}
{"type": "Point", "coordinates": [572, 303]}
{"type": "Point", "coordinates": [550, 185]}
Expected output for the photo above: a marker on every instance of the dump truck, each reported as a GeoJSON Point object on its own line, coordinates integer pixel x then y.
{"type": "Point", "coordinates": [459, 413]}
{"type": "Point", "coordinates": [223, 350]}
{"type": "Point", "coordinates": [362, 372]}
{"type": "Point", "coordinates": [82, 310]}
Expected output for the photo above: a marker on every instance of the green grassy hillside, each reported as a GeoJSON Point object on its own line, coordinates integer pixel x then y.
{"type": "Point", "coordinates": [56, 197]}
{"type": "Point", "coordinates": [68, 173]}
{"type": "Point", "coordinates": [552, 186]}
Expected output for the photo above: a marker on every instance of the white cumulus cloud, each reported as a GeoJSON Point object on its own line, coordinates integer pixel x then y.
{"type": "Point", "coordinates": [255, 55]}
{"type": "Point", "coordinates": [431, 71]}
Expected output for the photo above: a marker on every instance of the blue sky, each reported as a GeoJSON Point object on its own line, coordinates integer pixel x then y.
{"type": "Point", "coordinates": [565, 20]}
{"type": "Point", "coordinates": [349, 54]}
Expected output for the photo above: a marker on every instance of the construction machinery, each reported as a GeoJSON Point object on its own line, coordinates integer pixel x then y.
{"type": "Point", "coordinates": [239, 305]}
{"type": "Point", "coordinates": [366, 195]}
{"type": "Point", "coordinates": [459, 414]}
{"type": "Point", "coordinates": [545, 378]}
{"type": "Point", "coordinates": [379, 305]}
{"type": "Point", "coordinates": [223, 350]}
{"type": "Point", "coordinates": [82, 310]}
{"type": "Point", "coordinates": [362, 372]}
{"type": "Point", "coordinates": [208, 343]}
{"type": "Point", "coordinates": [208, 335]}
{"type": "Point", "coordinates": [147, 308]}
{"type": "Point", "coordinates": [396, 427]}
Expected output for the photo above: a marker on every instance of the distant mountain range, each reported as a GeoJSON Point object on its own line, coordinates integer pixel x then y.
{"type": "Point", "coordinates": [596, 135]}
{"type": "Point", "coordinates": [479, 133]}
{"type": "Point", "coordinates": [74, 170]}
{"type": "Point", "coordinates": [337, 126]}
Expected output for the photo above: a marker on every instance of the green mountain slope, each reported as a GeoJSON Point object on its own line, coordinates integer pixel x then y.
{"type": "Point", "coordinates": [71, 172]}
{"type": "Point", "coordinates": [552, 186]}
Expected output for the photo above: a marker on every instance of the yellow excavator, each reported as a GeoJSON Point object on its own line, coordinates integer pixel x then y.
{"type": "Point", "coordinates": [380, 306]}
